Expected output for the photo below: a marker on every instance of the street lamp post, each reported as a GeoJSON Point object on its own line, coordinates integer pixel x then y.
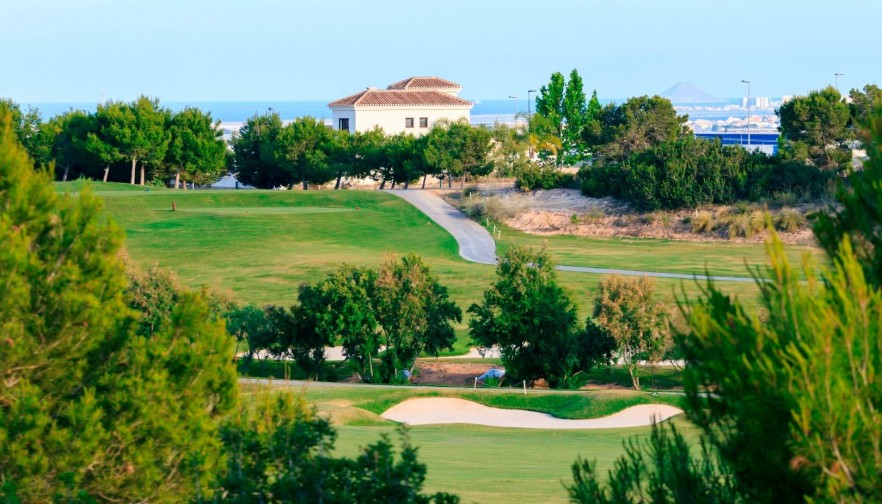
{"type": "Point", "coordinates": [515, 98]}
{"type": "Point", "coordinates": [838, 75]}
{"type": "Point", "coordinates": [529, 113]}
{"type": "Point", "coordinates": [748, 112]}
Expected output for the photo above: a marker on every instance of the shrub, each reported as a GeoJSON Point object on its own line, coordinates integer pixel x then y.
{"type": "Point", "coordinates": [536, 176]}
{"type": "Point", "coordinates": [790, 220]}
{"type": "Point", "coordinates": [702, 222]}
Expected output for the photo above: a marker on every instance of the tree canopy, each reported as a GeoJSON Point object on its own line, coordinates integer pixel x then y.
{"type": "Point", "coordinates": [87, 406]}
{"type": "Point", "coordinates": [533, 322]}
{"type": "Point", "coordinates": [786, 397]}
{"type": "Point", "coordinates": [815, 129]}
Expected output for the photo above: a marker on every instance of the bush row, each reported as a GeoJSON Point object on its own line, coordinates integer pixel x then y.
{"type": "Point", "coordinates": [690, 172]}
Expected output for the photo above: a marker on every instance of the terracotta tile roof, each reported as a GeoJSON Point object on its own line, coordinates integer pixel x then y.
{"type": "Point", "coordinates": [414, 83]}
{"type": "Point", "coordinates": [399, 97]}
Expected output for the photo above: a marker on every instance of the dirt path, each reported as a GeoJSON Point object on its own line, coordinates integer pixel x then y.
{"type": "Point", "coordinates": [436, 410]}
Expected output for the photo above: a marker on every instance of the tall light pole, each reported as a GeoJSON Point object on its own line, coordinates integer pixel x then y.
{"type": "Point", "coordinates": [515, 98]}
{"type": "Point", "coordinates": [529, 113]}
{"type": "Point", "coordinates": [838, 75]}
{"type": "Point", "coordinates": [748, 112]}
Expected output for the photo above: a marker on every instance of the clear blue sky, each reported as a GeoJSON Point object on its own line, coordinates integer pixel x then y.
{"type": "Point", "coordinates": [238, 50]}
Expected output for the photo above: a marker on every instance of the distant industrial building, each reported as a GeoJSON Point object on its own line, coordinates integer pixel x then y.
{"type": "Point", "coordinates": [764, 142]}
{"type": "Point", "coordinates": [412, 106]}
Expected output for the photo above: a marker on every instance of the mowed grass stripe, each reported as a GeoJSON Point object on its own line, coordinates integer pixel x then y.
{"type": "Point", "coordinates": [260, 245]}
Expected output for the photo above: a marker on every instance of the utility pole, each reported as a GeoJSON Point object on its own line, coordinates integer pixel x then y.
{"type": "Point", "coordinates": [838, 75]}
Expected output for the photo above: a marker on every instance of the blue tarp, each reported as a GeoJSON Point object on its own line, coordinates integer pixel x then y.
{"type": "Point", "coordinates": [492, 373]}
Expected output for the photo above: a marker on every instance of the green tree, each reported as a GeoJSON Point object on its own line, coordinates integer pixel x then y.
{"type": "Point", "coordinates": [404, 159]}
{"type": "Point", "coordinates": [415, 313]}
{"type": "Point", "coordinates": [575, 115]}
{"type": "Point", "coordinates": [550, 104]}
{"type": "Point", "coordinates": [135, 131]}
{"type": "Point", "coordinates": [863, 102]}
{"type": "Point", "coordinates": [279, 451]}
{"type": "Point", "coordinates": [89, 409]}
{"type": "Point", "coordinates": [196, 149]}
{"type": "Point", "coordinates": [638, 124]}
{"type": "Point", "coordinates": [509, 151]}
{"type": "Point", "coordinates": [254, 160]}
{"type": "Point", "coordinates": [457, 149]}
{"type": "Point", "coordinates": [100, 142]}
{"type": "Point", "coordinates": [815, 129]}
{"type": "Point", "coordinates": [533, 322]}
{"type": "Point", "coordinates": [626, 313]}
{"type": "Point", "coordinates": [249, 326]}
{"type": "Point", "coordinates": [563, 114]}
{"type": "Point", "coordinates": [29, 129]}
{"type": "Point", "coordinates": [786, 397]}
{"type": "Point", "coordinates": [341, 309]}
{"type": "Point", "coordinates": [301, 149]}
{"type": "Point", "coordinates": [70, 147]}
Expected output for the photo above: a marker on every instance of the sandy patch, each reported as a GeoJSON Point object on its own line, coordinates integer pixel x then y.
{"type": "Point", "coordinates": [435, 410]}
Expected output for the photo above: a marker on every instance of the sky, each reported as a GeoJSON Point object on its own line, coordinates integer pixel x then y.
{"type": "Point", "coordinates": [243, 50]}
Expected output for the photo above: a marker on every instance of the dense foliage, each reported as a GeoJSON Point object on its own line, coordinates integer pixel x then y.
{"type": "Point", "coordinates": [88, 406]}
{"type": "Point", "coordinates": [533, 322]}
{"type": "Point", "coordinates": [689, 172]}
{"type": "Point", "coordinates": [814, 129]}
{"type": "Point", "coordinates": [787, 400]}
{"type": "Point", "coordinates": [627, 318]}
{"type": "Point", "coordinates": [562, 115]}
{"type": "Point", "coordinates": [305, 151]}
{"type": "Point", "coordinates": [391, 315]}
{"type": "Point", "coordinates": [279, 450]}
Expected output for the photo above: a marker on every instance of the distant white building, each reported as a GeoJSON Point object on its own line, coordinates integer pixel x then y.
{"type": "Point", "coordinates": [760, 102]}
{"type": "Point", "coordinates": [412, 106]}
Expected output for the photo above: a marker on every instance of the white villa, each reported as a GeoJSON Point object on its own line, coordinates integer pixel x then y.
{"type": "Point", "coordinates": [412, 106]}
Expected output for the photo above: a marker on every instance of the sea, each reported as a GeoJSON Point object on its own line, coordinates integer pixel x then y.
{"type": "Point", "coordinates": [232, 112]}
{"type": "Point", "coordinates": [487, 112]}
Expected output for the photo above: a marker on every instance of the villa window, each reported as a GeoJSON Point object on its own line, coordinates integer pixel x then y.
{"type": "Point", "coordinates": [343, 124]}
{"type": "Point", "coordinates": [408, 122]}
{"type": "Point", "coordinates": [424, 122]}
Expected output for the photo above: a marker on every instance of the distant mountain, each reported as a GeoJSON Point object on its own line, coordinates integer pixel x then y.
{"type": "Point", "coordinates": [687, 92]}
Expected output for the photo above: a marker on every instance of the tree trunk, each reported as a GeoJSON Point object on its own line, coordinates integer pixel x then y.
{"type": "Point", "coordinates": [449, 181]}
{"type": "Point", "coordinates": [339, 177]}
{"type": "Point", "coordinates": [383, 184]}
{"type": "Point", "coordinates": [134, 163]}
{"type": "Point", "coordinates": [425, 176]}
{"type": "Point", "coordinates": [406, 184]}
{"type": "Point", "coordinates": [635, 380]}
{"type": "Point", "coordinates": [177, 179]}
{"type": "Point", "coordinates": [142, 173]}
{"type": "Point", "coordinates": [305, 185]}
{"type": "Point", "coordinates": [462, 182]}
{"type": "Point", "coordinates": [106, 171]}
{"type": "Point", "coordinates": [393, 184]}
{"type": "Point", "coordinates": [66, 170]}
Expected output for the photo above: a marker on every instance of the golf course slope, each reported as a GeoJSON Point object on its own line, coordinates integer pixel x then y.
{"type": "Point", "coordinates": [437, 410]}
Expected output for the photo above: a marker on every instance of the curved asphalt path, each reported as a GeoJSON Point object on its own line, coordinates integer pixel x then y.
{"type": "Point", "coordinates": [476, 244]}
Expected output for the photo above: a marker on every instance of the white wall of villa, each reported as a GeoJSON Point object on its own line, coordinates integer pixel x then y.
{"type": "Point", "coordinates": [416, 121]}
{"type": "Point", "coordinates": [412, 106]}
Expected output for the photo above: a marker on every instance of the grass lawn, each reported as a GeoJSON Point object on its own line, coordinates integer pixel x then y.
{"type": "Point", "coordinates": [486, 464]}
{"type": "Point", "coordinates": [263, 244]}
{"type": "Point", "coordinates": [491, 465]}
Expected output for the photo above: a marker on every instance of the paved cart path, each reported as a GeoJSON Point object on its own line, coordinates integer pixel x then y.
{"type": "Point", "coordinates": [476, 244]}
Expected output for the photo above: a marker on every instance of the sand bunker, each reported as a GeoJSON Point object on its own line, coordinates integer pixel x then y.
{"type": "Point", "coordinates": [435, 410]}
